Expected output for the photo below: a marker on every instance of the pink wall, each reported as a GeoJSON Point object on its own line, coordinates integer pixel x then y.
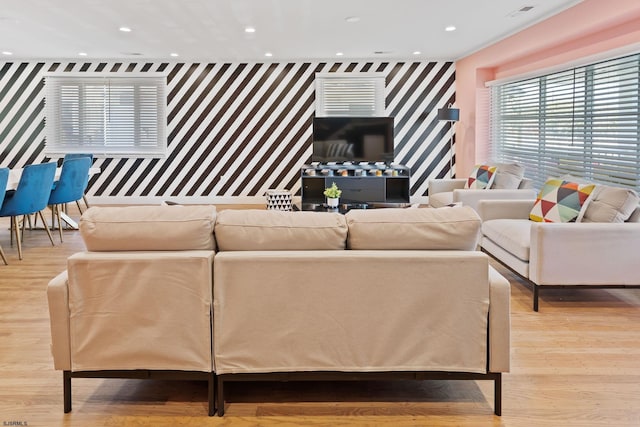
{"type": "Point", "coordinates": [590, 28]}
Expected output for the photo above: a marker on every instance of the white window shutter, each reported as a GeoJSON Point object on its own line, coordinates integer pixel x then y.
{"type": "Point", "coordinates": [350, 94]}
{"type": "Point", "coordinates": [111, 115]}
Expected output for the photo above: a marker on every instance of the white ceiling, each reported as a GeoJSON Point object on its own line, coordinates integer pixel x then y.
{"type": "Point", "coordinates": [289, 29]}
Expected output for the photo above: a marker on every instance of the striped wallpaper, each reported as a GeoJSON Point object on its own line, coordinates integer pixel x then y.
{"type": "Point", "coordinates": [234, 129]}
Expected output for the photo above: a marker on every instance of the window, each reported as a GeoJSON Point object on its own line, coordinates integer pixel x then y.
{"type": "Point", "coordinates": [350, 94]}
{"type": "Point", "coordinates": [583, 121]}
{"type": "Point", "coordinates": [109, 115]}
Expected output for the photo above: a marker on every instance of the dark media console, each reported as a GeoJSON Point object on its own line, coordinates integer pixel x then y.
{"type": "Point", "coordinates": [361, 185]}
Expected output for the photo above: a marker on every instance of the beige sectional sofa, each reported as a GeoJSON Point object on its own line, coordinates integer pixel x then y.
{"type": "Point", "coordinates": [138, 302]}
{"type": "Point", "coordinates": [375, 294]}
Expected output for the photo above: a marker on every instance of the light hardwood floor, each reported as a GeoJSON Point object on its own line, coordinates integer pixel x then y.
{"type": "Point", "coordinates": [575, 363]}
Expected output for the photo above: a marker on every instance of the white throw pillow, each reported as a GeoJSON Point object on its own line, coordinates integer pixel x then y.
{"type": "Point", "coordinates": [609, 204]}
{"type": "Point", "coordinates": [508, 176]}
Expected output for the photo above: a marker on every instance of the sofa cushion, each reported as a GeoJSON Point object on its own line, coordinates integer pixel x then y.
{"type": "Point", "coordinates": [635, 216]}
{"type": "Point", "coordinates": [609, 204]}
{"type": "Point", "coordinates": [268, 230]}
{"type": "Point", "coordinates": [439, 200]}
{"type": "Point", "coordinates": [455, 228]}
{"type": "Point", "coordinates": [560, 201]}
{"type": "Point", "coordinates": [512, 235]}
{"type": "Point", "coordinates": [508, 176]}
{"type": "Point", "coordinates": [481, 177]}
{"type": "Point", "coordinates": [148, 228]}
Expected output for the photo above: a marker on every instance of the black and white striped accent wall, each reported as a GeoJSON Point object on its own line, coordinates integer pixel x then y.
{"type": "Point", "coordinates": [234, 129]}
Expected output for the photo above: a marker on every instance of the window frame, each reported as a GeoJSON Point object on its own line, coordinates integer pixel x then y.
{"type": "Point", "coordinates": [588, 125]}
{"type": "Point", "coordinates": [360, 86]}
{"type": "Point", "coordinates": [144, 110]}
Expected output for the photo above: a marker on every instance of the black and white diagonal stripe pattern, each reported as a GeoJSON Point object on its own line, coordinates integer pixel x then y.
{"type": "Point", "coordinates": [234, 129]}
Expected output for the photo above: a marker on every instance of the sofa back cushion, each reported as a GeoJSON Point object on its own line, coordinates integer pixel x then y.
{"type": "Point", "coordinates": [635, 216]}
{"type": "Point", "coordinates": [268, 230]}
{"type": "Point", "coordinates": [508, 176]}
{"type": "Point", "coordinates": [148, 228]}
{"type": "Point", "coordinates": [609, 204]}
{"type": "Point", "coordinates": [448, 228]}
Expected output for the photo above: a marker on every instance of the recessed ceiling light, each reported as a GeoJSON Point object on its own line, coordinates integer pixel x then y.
{"type": "Point", "coordinates": [249, 30]}
{"type": "Point", "coordinates": [417, 52]}
{"type": "Point", "coordinates": [269, 54]}
{"type": "Point", "coordinates": [352, 18]}
{"type": "Point", "coordinates": [6, 52]}
{"type": "Point", "coordinates": [173, 54]}
{"type": "Point", "coordinates": [450, 28]}
{"type": "Point", "coordinates": [82, 54]}
{"type": "Point", "coordinates": [125, 29]}
{"type": "Point", "coordinates": [339, 53]}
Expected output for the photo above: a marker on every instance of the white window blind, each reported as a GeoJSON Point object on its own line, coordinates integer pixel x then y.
{"type": "Point", "coordinates": [582, 121]}
{"type": "Point", "coordinates": [350, 94]}
{"type": "Point", "coordinates": [110, 115]}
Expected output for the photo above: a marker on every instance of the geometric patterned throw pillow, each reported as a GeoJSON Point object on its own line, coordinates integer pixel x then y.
{"type": "Point", "coordinates": [560, 201]}
{"type": "Point", "coordinates": [481, 177]}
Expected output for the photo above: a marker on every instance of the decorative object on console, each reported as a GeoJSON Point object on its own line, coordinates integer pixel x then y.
{"type": "Point", "coordinates": [279, 200]}
{"type": "Point", "coordinates": [333, 195]}
{"type": "Point", "coordinates": [450, 115]}
{"type": "Point", "coordinates": [481, 177]}
{"type": "Point", "coordinates": [560, 201]}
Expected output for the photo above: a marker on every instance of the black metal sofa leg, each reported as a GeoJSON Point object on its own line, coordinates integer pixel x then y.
{"type": "Point", "coordinates": [536, 295]}
{"type": "Point", "coordinates": [220, 393]}
{"type": "Point", "coordinates": [211, 385]}
{"type": "Point", "coordinates": [497, 395]}
{"type": "Point", "coordinates": [66, 387]}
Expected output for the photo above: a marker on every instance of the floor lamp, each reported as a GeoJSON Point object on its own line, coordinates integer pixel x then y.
{"type": "Point", "coordinates": [450, 115]}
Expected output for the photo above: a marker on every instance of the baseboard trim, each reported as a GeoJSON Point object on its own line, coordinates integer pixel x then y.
{"type": "Point", "coordinates": [185, 200]}
{"type": "Point", "coordinates": [199, 200]}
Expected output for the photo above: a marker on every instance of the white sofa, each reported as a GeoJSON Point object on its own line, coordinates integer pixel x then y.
{"type": "Point", "coordinates": [509, 183]}
{"type": "Point", "coordinates": [591, 253]}
{"type": "Point", "coordinates": [445, 192]}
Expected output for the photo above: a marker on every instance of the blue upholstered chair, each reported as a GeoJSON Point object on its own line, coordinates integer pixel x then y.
{"type": "Point", "coordinates": [30, 197]}
{"type": "Point", "coordinates": [70, 156]}
{"type": "Point", "coordinates": [4, 177]}
{"type": "Point", "coordinates": [71, 185]}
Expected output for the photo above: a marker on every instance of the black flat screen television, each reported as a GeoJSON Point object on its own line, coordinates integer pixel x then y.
{"type": "Point", "coordinates": [352, 139]}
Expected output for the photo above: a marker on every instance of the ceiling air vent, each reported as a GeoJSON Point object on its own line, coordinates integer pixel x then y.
{"type": "Point", "coordinates": [517, 12]}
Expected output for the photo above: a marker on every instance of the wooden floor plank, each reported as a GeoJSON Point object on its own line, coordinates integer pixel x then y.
{"type": "Point", "coordinates": [575, 363]}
